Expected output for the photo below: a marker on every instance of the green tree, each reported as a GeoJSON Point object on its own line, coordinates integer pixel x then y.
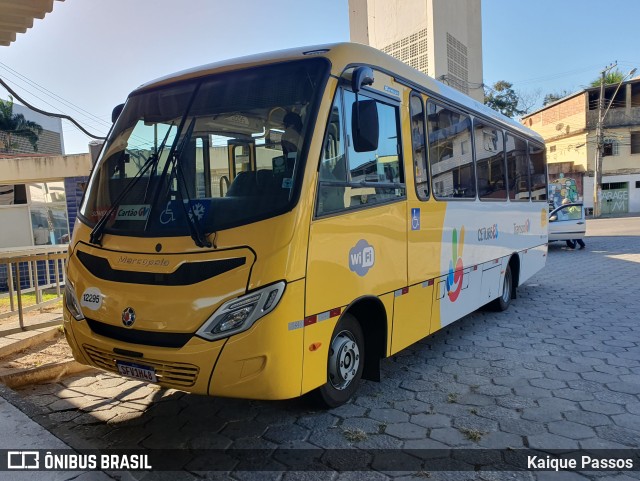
{"type": "Point", "coordinates": [15, 125]}
{"type": "Point", "coordinates": [504, 99]}
{"type": "Point", "coordinates": [611, 77]}
{"type": "Point", "coordinates": [554, 96]}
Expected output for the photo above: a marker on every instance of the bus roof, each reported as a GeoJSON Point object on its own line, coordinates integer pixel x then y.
{"type": "Point", "coordinates": [342, 56]}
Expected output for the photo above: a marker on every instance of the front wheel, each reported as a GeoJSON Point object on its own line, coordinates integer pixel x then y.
{"type": "Point", "coordinates": [502, 302]}
{"type": "Point", "coordinates": [344, 364]}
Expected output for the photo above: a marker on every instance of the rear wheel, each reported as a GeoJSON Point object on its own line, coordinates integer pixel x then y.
{"type": "Point", "coordinates": [502, 302]}
{"type": "Point", "coordinates": [344, 365]}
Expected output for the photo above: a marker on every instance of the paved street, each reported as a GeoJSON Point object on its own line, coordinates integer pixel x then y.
{"type": "Point", "coordinates": [559, 369]}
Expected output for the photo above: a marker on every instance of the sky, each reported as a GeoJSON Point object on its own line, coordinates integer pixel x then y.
{"type": "Point", "coordinates": [86, 56]}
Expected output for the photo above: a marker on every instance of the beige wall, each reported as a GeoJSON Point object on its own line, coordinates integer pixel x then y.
{"type": "Point", "coordinates": [463, 20]}
{"type": "Point", "coordinates": [19, 170]}
{"type": "Point", "coordinates": [570, 149]}
{"type": "Point", "coordinates": [383, 23]}
{"type": "Point", "coordinates": [563, 126]}
{"type": "Point", "coordinates": [386, 20]}
{"type": "Point", "coordinates": [563, 119]}
{"type": "Point", "coordinates": [15, 220]}
{"type": "Point", "coordinates": [569, 130]}
{"type": "Point", "coordinates": [624, 162]}
{"type": "Point", "coordinates": [359, 21]}
{"type": "Point", "coordinates": [15, 226]}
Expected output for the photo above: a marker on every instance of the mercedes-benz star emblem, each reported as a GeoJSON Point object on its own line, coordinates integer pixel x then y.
{"type": "Point", "coordinates": [128, 317]}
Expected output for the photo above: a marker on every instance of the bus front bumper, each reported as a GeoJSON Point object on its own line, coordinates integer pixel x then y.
{"type": "Point", "coordinates": [264, 362]}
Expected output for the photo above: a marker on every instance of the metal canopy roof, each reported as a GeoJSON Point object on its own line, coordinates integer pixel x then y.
{"type": "Point", "coordinates": [16, 16]}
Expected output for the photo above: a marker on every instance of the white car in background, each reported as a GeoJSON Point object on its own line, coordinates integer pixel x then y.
{"type": "Point", "coordinates": [567, 222]}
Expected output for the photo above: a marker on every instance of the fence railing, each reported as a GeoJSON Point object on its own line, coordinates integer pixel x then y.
{"type": "Point", "coordinates": [31, 269]}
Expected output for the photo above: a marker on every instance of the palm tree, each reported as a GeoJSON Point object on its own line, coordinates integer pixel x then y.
{"type": "Point", "coordinates": [15, 125]}
{"type": "Point", "coordinates": [611, 77]}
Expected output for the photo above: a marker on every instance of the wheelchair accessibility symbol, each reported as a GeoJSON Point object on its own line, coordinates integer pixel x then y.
{"type": "Point", "coordinates": [166, 215]}
{"type": "Point", "coordinates": [415, 219]}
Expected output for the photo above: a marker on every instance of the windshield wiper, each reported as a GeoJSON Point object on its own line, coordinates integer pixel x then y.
{"type": "Point", "coordinates": [198, 236]}
{"type": "Point", "coordinates": [97, 231]}
{"type": "Point", "coordinates": [157, 159]}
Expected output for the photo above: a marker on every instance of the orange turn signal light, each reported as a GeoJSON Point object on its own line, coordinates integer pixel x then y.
{"type": "Point", "coordinates": [315, 346]}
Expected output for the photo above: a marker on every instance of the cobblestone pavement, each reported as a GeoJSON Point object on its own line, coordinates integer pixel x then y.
{"type": "Point", "coordinates": [559, 369]}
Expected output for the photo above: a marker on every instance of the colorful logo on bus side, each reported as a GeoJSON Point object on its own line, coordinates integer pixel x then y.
{"type": "Point", "coordinates": [488, 233]}
{"type": "Point", "coordinates": [520, 229]}
{"type": "Point", "coordinates": [456, 273]}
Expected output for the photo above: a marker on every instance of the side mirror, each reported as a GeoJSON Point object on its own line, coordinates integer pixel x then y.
{"type": "Point", "coordinates": [115, 113]}
{"type": "Point", "coordinates": [361, 76]}
{"type": "Point", "coordinates": [553, 218]}
{"type": "Point", "coordinates": [365, 126]}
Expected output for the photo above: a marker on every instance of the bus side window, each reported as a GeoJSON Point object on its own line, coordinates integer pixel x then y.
{"type": "Point", "coordinates": [350, 179]}
{"type": "Point", "coordinates": [376, 176]}
{"type": "Point", "coordinates": [490, 164]}
{"type": "Point", "coordinates": [450, 153]}
{"type": "Point", "coordinates": [332, 164]}
{"type": "Point", "coordinates": [538, 172]}
{"type": "Point", "coordinates": [419, 148]}
{"type": "Point", "coordinates": [517, 168]}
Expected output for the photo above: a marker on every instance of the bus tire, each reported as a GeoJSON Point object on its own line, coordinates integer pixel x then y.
{"type": "Point", "coordinates": [344, 363]}
{"type": "Point", "coordinates": [502, 303]}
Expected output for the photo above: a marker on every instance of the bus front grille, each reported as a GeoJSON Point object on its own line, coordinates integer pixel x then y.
{"type": "Point", "coordinates": [168, 373]}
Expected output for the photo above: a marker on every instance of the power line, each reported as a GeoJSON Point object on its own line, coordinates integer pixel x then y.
{"type": "Point", "coordinates": [89, 116]}
{"type": "Point", "coordinates": [556, 75]}
{"type": "Point", "coordinates": [49, 114]}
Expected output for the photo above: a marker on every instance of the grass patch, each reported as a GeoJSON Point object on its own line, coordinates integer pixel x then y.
{"type": "Point", "coordinates": [452, 397]}
{"type": "Point", "coordinates": [354, 434]}
{"type": "Point", "coordinates": [472, 434]}
{"type": "Point", "coordinates": [28, 299]}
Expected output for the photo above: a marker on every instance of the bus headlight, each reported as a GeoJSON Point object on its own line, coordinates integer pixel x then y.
{"type": "Point", "coordinates": [238, 315]}
{"type": "Point", "coordinates": [71, 301]}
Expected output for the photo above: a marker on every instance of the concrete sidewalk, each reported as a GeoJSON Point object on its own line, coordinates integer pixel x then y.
{"type": "Point", "coordinates": [22, 433]}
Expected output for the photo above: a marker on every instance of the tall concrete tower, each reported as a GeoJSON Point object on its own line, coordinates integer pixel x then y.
{"type": "Point", "coordinates": [442, 38]}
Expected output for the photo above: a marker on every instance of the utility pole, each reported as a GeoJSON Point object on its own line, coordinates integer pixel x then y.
{"type": "Point", "coordinates": [597, 167]}
{"type": "Point", "coordinates": [602, 113]}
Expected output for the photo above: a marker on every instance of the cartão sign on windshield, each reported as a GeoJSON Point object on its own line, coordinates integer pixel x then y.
{"type": "Point", "coordinates": [133, 212]}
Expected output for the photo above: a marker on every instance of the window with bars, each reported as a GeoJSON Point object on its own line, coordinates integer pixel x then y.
{"type": "Point", "coordinates": [611, 147]}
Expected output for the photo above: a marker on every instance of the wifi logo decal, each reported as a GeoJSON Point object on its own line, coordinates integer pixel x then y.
{"type": "Point", "coordinates": [456, 273]}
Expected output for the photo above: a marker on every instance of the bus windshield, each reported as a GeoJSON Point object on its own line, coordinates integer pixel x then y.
{"type": "Point", "coordinates": [207, 154]}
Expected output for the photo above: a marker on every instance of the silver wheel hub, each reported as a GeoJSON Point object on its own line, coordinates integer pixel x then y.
{"type": "Point", "coordinates": [344, 360]}
{"type": "Point", "coordinates": [506, 290]}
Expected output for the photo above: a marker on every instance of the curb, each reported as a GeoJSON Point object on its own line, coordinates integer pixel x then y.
{"type": "Point", "coordinates": [22, 344]}
{"type": "Point", "coordinates": [47, 372]}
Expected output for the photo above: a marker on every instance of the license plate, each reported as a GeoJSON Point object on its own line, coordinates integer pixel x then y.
{"type": "Point", "coordinates": [137, 371]}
